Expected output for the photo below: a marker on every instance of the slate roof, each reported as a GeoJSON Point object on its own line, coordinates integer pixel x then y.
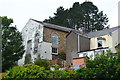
{"type": "Point", "coordinates": [69, 30]}
{"type": "Point", "coordinates": [53, 26]}
{"type": "Point", "coordinates": [101, 32]}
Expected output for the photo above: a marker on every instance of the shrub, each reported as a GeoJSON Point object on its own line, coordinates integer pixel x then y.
{"type": "Point", "coordinates": [62, 55]}
{"type": "Point", "coordinates": [32, 71]}
{"type": "Point", "coordinates": [56, 67]}
{"type": "Point", "coordinates": [42, 63]}
{"type": "Point", "coordinates": [27, 59]}
{"type": "Point", "coordinates": [104, 66]}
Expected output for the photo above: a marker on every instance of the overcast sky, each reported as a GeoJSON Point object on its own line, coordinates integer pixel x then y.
{"type": "Point", "coordinates": [22, 10]}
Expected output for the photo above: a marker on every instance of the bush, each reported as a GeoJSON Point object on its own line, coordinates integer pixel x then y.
{"type": "Point", "coordinates": [62, 55]}
{"type": "Point", "coordinates": [42, 63]}
{"type": "Point", "coordinates": [104, 66]}
{"type": "Point", "coordinates": [32, 71]}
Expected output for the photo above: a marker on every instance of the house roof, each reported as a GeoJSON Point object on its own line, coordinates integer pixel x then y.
{"type": "Point", "coordinates": [102, 32]}
{"type": "Point", "coordinates": [60, 28]}
{"type": "Point", "coordinates": [53, 26]}
{"type": "Point", "coordinates": [69, 30]}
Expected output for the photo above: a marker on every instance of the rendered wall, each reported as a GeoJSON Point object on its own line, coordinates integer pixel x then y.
{"type": "Point", "coordinates": [106, 43]}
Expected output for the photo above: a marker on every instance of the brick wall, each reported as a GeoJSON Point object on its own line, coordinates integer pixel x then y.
{"type": "Point", "coordinates": [79, 61]}
{"type": "Point", "coordinates": [47, 37]}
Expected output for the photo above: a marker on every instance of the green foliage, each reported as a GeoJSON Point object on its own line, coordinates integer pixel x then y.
{"type": "Point", "coordinates": [85, 16]}
{"type": "Point", "coordinates": [12, 48]}
{"type": "Point", "coordinates": [31, 71]}
{"type": "Point", "coordinates": [34, 71]}
{"type": "Point", "coordinates": [62, 55]}
{"type": "Point", "coordinates": [6, 21]}
{"type": "Point", "coordinates": [104, 66]}
{"type": "Point", "coordinates": [56, 67]}
{"type": "Point", "coordinates": [65, 74]}
{"type": "Point", "coordinates": [42, 63]}
{"type": "Point", "coordinates": [27, 59]}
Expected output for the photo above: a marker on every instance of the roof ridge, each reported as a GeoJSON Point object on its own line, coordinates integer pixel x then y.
{"type": "Point", "coordinates": [104, 29]}
{"type": "Point", "coordinates": [51, 24]}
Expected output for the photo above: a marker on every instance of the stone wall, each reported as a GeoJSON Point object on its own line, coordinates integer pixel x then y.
{"type": "Point", "coordinates": [47, 37]}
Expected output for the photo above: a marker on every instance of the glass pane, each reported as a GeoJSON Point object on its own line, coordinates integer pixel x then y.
{"type": "Point", "coordinates": [54, 39]}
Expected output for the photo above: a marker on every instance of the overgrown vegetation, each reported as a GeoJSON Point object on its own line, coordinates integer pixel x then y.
{"type": "Point", "coordinates": [105, 66]}
{"type": "Point", "coordinates": [27, 59]}
{"type": "Point", "coordinates": [42, 63]}
{"type": "Point", "coordinates": [62, 55]}
{"type": "Point", "coordinates": [35, 71]}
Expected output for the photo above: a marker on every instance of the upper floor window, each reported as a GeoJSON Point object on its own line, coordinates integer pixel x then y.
{"type": "Point", "coordinates": [29, 45]}
{"type": "Point", "coordinates": [37, 37]}
{"type": "Point", "coordinates": [54, 40]}
{"type": "Point", "coordinates": [35, 49]}
{"type": "Point", "coordinates": [100, 41]}
{"type": "Point", "coordinates": [54, 43]}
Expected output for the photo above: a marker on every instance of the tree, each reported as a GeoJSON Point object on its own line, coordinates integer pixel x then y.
{"type": "Point", "coordinates": [12, 48]}
{"type": "Point", "coordinates": [59, 18]}
{"type": "Point", "coordinates": [105, 66]}
{"type": "Point", "coordinates": [85, 16]}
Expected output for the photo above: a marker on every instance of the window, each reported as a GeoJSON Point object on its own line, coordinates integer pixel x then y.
{"type": "Point", "coordinates": [35, 49]}
{"type": "Point", "coordinates": [99, 43]}
{"type": "Point", "coordinates": [37, 36]}
{"type": "Point", "coordinates": [54, 39]}
{"type": "Point", "coordinates": [54, 50]}
{"type": "Point", "coordinates": [54, 43]}
{"type": "Point", "coordinates": [29, 46]}
{"type": "Point", "coordinates": [99, 40]}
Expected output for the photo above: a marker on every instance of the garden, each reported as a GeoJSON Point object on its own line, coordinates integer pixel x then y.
{"type": "Point", "coordinates": [105, 66]}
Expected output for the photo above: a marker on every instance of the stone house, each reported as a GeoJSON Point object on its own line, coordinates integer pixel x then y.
{"type": "Point", "coordinates": [47, 41]}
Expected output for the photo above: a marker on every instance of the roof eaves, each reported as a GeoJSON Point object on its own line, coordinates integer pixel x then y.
{"type": "Point", "coordinates": [55, 27]}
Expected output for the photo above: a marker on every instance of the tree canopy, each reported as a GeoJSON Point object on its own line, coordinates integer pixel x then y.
{"type": "Point", "coordinates": [12, 48]}
{"type": "Point", "coordinates": [85, 16]}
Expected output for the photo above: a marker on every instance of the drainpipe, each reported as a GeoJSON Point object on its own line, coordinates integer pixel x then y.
{"type": "Point", "coordinates": [78, 43]}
